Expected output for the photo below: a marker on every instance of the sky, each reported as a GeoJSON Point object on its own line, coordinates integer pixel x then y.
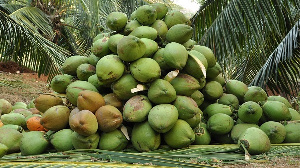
{"type": "Point", "coordinates": [190, 6]}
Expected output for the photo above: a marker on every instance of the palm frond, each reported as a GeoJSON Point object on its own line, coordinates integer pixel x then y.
{"type": "Point", "coordinates": [284, 63]}
{"type": "Point", "coordinates": [29, 48]}
{"type": "Point", "coordinates": [243, 34]}
{"type": "Point", "coordinates": [35, 20]}
{"type": "Point", "coordinates": [9, 6]}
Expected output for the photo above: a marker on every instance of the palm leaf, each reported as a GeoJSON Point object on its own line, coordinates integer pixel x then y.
{"type": "Point", "coordinates": [243, 34]}
{"type": "Point", "coordinates": [283, 63]}
{"type": "Point", "coordinates": [29, 48]}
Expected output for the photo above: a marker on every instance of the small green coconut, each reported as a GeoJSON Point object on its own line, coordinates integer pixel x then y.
{"type": "Point", "coordinates": [130, 48]}
{"type": "Point", "coordinates": [100, 47]}
{"type": "Point", "coordinates": [11, 138]}
{"type": "Point", "coordinates": [130, 26]}
{"type": "Point", "coordinates": [179, 33]}
{"type": "Point", "coordinates": [275, 131]}
{"type": "Point", "coordinates": [3, 150]}
{"type": "Point", "coordinates": [136, 109]}
{"type": "Point", "coordinates": [254, 145]}
{"type": "Point", "coordinates": [144, 138]}
{"type": "Point", "coordinates": [144, 32]}
{"type": "Point", "coordinates": [175, 17]}
{"type": "Point", "coordinates": [208, 53]}
{"type": "Point", "coordinates": [5, 107]}
{"type": "Point", "coordinates": [33, 143]}
{"type": "Point", "coordinates": [181, 135]}
{"type": "Point", "coordinates": [161, 92]}
{"type": "Point", "coordinates": [238, 129]}
{"type": "Point", "coordinates": [187, 107]}
{"type": "Point", "coordinates": [236, 88]}
{"type": "Point", "coordinates": [161, 28]}
{"type": "Point", "coordinates": [198, 97]}
{"type": "Point", "coordinates": [60, 83]}
{"type": "Point", "coordinates": [213, 72]}
{"type": "Point", "coordinates": [85, 142]}
{"type": "Point", "coordinates": [62, 140]}
{"type": "Point", "coordinates": [175, 55]}
{"type": "Point", "coordinates": [122, 87]}
{"type": "Point", "coordinates": [256, 94]}
{"type": "Point", "coordinates": [163, 117]}
{"type": "Point", "coordinates": [250, 112]}
{"type": "Point", "coordinates": [202, 136]}
{"type": "Point", "coordinates": [151, 47]}
{"type": "Point", "coordinates": [114, 141]}
{"type": "Point", "coordinates": [14, 119]}
{"type": "Point", "coordinates": [212, 90]}
{"type": "Point", "coordinates": [295, 114]}
{"type": "Point", "coordinates": [161, 10]}
{"type": "Point", "coordinates": [145, 70]}
{"type": "Point", "coordinates": [113, 42]}
{"type": "Point", "coordinates": [230, 100]}
{"type": "Point", "coordinates": [292, 132]}
{"type": "Point", "coordinates": [84, 71]}
{"type": "Point", "coordinates": [146, 14]}
{"type": "Point", "coordinates": [106, 72]}
{"type": "Point", "coordinates": [281, 99]}
{"type": "Point", "coordinates": [116, 21]}
{"type": "Point", "coordinates": [215, 108]}
{"type": "Point", "coordinates": [220, 124]}
{"type": "Point", "coordinates": [71, 63]}
{"type": "Point", "coordinates": [185, 84]}
{"type": "Point", "coordinates": [276, 111]}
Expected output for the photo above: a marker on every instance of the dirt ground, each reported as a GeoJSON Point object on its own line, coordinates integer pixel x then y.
{"type": "Point", "coordinates": [20, 84]}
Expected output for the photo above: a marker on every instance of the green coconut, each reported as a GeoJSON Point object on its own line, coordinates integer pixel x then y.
{"type": "Point", "coordinates": [212, 90]}
{"type": "Point", "coordinates": [59, 83]}
{"type": "Point", "coordinates": [100, 47]}
{"type": "Point", "coordinates": [116, 21]}
{"type": "Point", "coordinates": [84, 71]}
{"type": "Point", "coordinates": [71, 64]}
{"type": "Point", "coordinates": [219, 79]}
{"type": "Point", "coordinates": [213, 72]}
{"type": "Point", "coordinates": [3, 150]}
{"type": "Point", "coordinates": [276, 111]}
{"type": "Point", "coordinates": [14, 119]}
{"type": "Point", "coordinates": [56, 118]}
{"type": "Point", "coordinates": [295, 114]}
{"type": "Point", "coordinates": [252, 144]}
{"type": "Point", "coordinates": [113, 141]}
{"type": "Point", "coordinates": [161, 9]}
{"type": "Point", "coordinates": [181, 135]}
{"type": "Point", "coordinates": [208, 54]}
{"type": "Point", "coordinates": [145, 70]}
{"type": "Point", "coordinates": [189, 44]}
{"type": "Point", "coordinates": [45, 101]}
{"type": "Point", "coordinates": [236, 88]}
{"type": "Point", "coordinates": [187, 107]}
{"type": "Point", "coordinates": [250, 112]}
{"type": "Point", "coordinates": [159, 58]}
{"type": "Point", "coordinates": [85, 142]}
{"type": "Point", "coordinates": [161, 28]}
{"type": "Point", "coordinates": [163, 117]}
{"type": "Point", "coordinates": [62, 140]}
{"type": "Point", "coordinates": [238, 129]}
{"type": "Point", "coordinates": [146, 14]}
{"type": "Point", "coordinates": [144, 138]}
{"type": "Point", "coordinates": [202, 136]}
{"type": "Point", "coordinates": [220, 124]}
{"type": "Point", "coordinates": [122, 87]}
{"type": "Point", "coordinates": [100, 36]}
{"type": "Point", "coordinates": [185, 84]}
{"type": "Point", "coordinates": [175, 55]}
{"type": "Point", "coordinates": [109, 68]}
{"type": "Point", "coordinates": [179, 33]}
{"type": "Point", "coordinates": [75, 88]}
{"type": "Point", "coordinates": [5, 107]}
{"type": "Point", "coordinates": [151, 47]}
{"type": "Point", "coordinates": [256, 94]}
{"type": "Point", "coordinates": [100, 86]}
{"type": "Point", "coordinates": [130, 26]}
{"type": "Point", "coordinates": [198, 97]}
{"type": "Point", "coordinates": [19, 105]}
{"type": "Point", "coordinates": [161, 92]}
{"type": "Point", "coordinates": [113, 42]}
{"type": "Point", "coordinates": [275, 131]}
{"type": "Point", "coordinates": [145, 32]}
{"type": "Point", "coordinates": [175, 17]}
{"type": "Point", "coordinates": [215, 108]}
{"type": "Point", "coordinates": [130, 48]}
{"type": "Point", "coordinates": [33, 143]}
{"type": "Point", "coordinates": [11, 138]}
{"type": "Point", "coordinates": [230, 100]}
{"type": "Point", "coordinates": [281, 99]}
{"type": "Point", "coordinates": [194, 121]}
{"type": "Point", "coordinates": [136, 109]}
{"type": "Point", "coordinates": [292, 132]}
{"type": "Point", "coordinates": [193, 67]}
{"type": "Point", "coordinates": [93, 59]}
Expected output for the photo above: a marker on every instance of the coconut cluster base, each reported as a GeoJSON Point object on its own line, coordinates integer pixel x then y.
{"type": "Point", "coordinates": [194, 156]}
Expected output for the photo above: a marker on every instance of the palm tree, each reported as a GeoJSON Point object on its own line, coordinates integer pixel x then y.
{"type": "Point", "coordinates": [255, 41]}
